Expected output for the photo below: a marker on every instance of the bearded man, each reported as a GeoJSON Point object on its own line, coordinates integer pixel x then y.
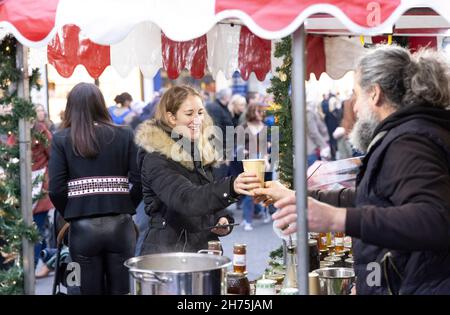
{"type": "Point", "coordinates": [399, 214]}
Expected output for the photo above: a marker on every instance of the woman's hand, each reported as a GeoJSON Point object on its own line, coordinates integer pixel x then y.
{"type": "Point", "coordinates": [221, 231]}
{"type": "Point", "coordinates": [245, 183]}
{"type": "Point", "coordinates": [272, 192]}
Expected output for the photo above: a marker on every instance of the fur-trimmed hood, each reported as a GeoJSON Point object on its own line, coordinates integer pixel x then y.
{"type": "Point", "coordinates": [153, 138]}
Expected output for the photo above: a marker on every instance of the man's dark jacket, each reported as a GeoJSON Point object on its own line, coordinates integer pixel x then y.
{"type": "Point", "coordinates": [400, 218]}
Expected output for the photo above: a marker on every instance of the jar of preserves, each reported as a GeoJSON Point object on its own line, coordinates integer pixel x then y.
{"type": "Point", "coordinates": [314, 236]}
{"type": "Point", "coordinates": [240, 258]}
{"type": "Point", "coordinates": [215, 247]}
{"type": "Point", "coordinates": [322, 241]}
{"type": "Point", "coordinates": [347, 242]}
{"type": "Point", "coordinates": [339, 241]}
{"type": "Point", "coordinates": [237, 283]}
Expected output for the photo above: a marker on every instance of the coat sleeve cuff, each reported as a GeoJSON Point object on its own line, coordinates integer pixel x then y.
{"type": "Point", "coordinates": [353, 222]}
{"type": "Point", "coordinates": [232, 192]}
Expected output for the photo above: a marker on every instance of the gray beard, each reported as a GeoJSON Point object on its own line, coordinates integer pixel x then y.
{"type": "Point", "coordinates": [362, 132]}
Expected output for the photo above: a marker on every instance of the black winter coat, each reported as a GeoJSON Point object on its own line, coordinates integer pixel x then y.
{"type": "Point", "coordinates": [180, 195]}
{"type": "Point", "coordinates": [100, 186]}
{"type": "Point", "coordinates": [401, 214]}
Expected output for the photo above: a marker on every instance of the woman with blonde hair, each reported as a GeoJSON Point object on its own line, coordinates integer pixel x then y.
{"type": "Point", "coordinates": [176, 158]}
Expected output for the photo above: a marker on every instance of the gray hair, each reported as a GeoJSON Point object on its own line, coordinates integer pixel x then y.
{"type": "Point", "coordinates": [238, 99]}
{"type": "Point", "coordinates": [221, 94]}
{"type": "Point", "coordinates": [407, 79]}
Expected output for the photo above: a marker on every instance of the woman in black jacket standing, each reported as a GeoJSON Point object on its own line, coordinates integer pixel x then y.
{"type": "Point", "coordinates": [92, 164]}
{"type": "Point", "coordinates": [176, 159]}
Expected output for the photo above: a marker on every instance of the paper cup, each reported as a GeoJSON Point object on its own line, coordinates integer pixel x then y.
{"type": "Point", "coordinates": [314, 288]}
{"type": "Point", "coordinates": [257, 166]}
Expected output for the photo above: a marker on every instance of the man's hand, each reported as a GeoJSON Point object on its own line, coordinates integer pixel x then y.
{"type": "Point", "coordinates": [272, 192]}
{"type": "Point", "coordinates": [321, 216]}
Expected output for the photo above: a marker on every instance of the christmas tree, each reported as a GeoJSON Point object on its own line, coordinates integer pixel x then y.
{"type": "Point", "coordinates": [12, 226]}
{"type": "Point", "coordinates": [280, 88]}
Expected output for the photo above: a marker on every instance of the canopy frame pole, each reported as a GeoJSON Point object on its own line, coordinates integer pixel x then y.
{"type": "Point", "coordinates": [298, 89]}
{"type": "Point", "coordinates": [25, 172]}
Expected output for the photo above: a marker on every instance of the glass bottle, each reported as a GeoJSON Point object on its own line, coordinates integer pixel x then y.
{"type": "Point", "coordinates": [215, 247]}
{"type": "Point", "coordinates": [237, 283]}
{"type": "Point", "coordinates": [240, 258]}
{"type": "Point", "coordinates": [339, 242]}
{"type": "Point", "coordinates": [329, 239]}
{"type": "Point", "coordinates": [290, 279]}
{"type": "Point", "coordinates": [322, 241]}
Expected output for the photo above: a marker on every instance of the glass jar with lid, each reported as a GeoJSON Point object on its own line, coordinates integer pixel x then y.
{"type": "Point", "coordinates": [237, 283]}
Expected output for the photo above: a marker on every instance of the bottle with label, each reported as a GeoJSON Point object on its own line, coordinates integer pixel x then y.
{"type": "Point", "coordinates": [348, 243]}
{"type": "Point", "coordinates": [322, 241]}
{"type": "Point", "coordinates": [240, 258]}
{"type": "Point", "coordinates": [339, 242]}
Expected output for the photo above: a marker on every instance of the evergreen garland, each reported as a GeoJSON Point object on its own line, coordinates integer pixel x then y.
{"type": "Point", "coordinates": [280, 88]}
{"type": "Point", "coordinates": [12, 226]}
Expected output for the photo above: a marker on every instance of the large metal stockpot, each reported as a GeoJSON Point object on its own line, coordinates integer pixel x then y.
{"type": "Point", "coordinates": [178, 273]}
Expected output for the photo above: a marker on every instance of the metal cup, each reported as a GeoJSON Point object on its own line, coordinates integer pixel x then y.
{"type": "Point", "coordinates": [335, 281]}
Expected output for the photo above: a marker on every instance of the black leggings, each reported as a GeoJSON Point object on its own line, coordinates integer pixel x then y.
{"type": "Point", "coordinates": [100, 246]}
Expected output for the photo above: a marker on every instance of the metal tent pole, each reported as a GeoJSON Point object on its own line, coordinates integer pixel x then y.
{"type": "Point", "coordinates": [299, 127]}
{"type": "Point", "coordinates": [25, 171]}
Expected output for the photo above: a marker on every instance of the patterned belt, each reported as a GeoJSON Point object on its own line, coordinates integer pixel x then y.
{"type": "Point", "coordinates": [98, 185]}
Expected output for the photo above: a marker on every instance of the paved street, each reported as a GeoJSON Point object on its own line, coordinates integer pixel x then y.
{"type": "Point", "coordinates": [260, 242]}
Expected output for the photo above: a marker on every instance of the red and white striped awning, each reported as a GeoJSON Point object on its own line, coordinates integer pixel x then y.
{"type": "Point", "coordinates": [199, 34]}
{"type": "Point", "coordinates": [35, 22]}
{"type": "Point", "coordinates": [225, 48]}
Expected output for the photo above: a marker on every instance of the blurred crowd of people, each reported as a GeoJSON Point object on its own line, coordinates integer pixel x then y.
{"type": "Point", "coordinates": [329, 125]}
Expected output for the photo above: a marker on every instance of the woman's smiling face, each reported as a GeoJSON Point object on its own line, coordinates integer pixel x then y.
{"type": "Point", "coordinates": [189, 118]}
